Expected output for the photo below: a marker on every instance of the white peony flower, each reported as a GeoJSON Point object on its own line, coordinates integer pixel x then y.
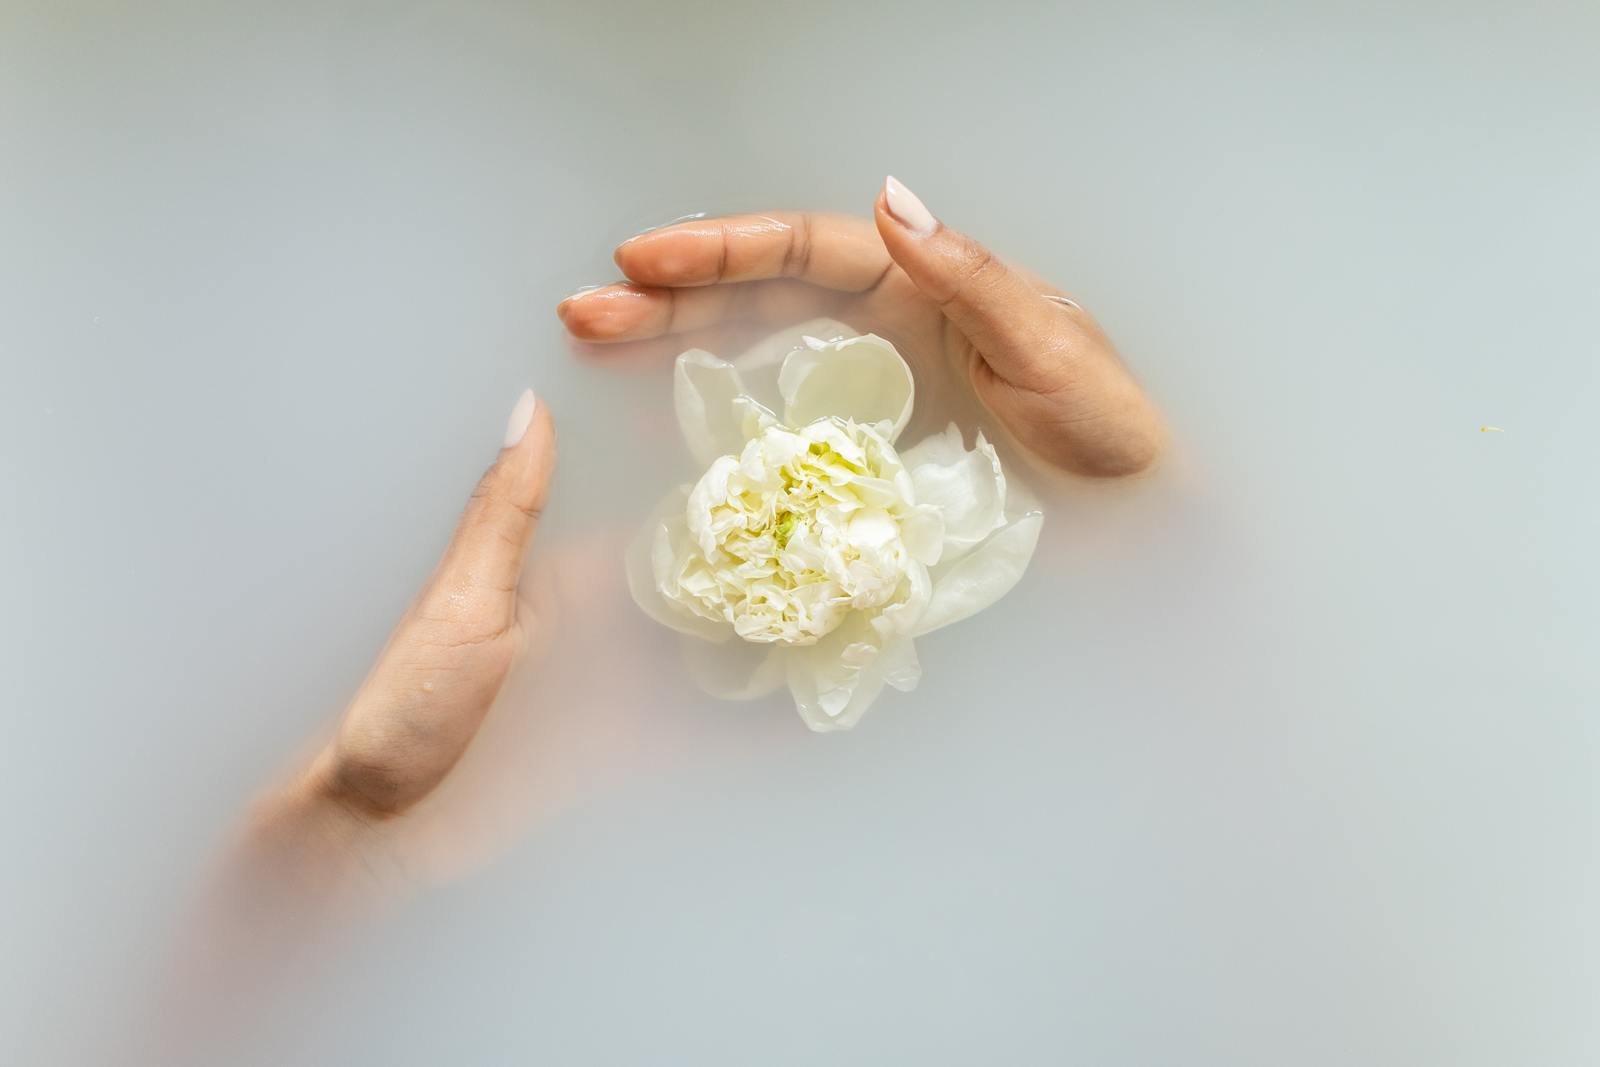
{"type": "Point", "coordinates": [811, 552]}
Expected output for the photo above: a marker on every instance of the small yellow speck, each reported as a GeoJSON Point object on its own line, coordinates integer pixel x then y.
{"type": "Point", "coordinates": [427, 687]}
{"type": "Point", "coordinates": [1490, 429]}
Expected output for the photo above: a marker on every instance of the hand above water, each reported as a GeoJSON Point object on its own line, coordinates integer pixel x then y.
{"type": "Point", "coordinates": [1032, 356]}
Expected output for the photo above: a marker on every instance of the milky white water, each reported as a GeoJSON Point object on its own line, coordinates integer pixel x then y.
{"type": "Point", "coordinates": [1287, 755]}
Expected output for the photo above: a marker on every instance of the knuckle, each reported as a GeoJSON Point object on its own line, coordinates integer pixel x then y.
{"type": "Point", "coordinates": [666, 318]}
{"type": "Point", "coordinates": [488, 485]}
{"type": "Point", "coordinates": [980, 263]}
{"type": "Point", "coordinates": [369, 781]}
{"type": "Point", "coordinates": [976, 266]}
{"type": "Point", "coordinates": [797, 255]}
{"type": "Point", "coordinates": [725, 238]}
{"type": "Point", "coordinates": [492, 501]}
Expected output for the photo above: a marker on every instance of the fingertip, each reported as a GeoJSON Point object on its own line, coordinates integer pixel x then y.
{"type": "Point", "coordinates": [577, 316]}
{"type": "Point", "coordinates": [542, 427]}
{"type": "Point", "coordinates": [636, 257]}
{"type": "Point", "coordinates": [880, 214]}
{"type": "Point", "coordinates": [906, 208]}
{"type": "Point", "coordinates": [521, 417]}
{"type": "Point", "coordinates": [623, 253]}
{"type": "Point", "coordinates": [605, 314]}
{"type": "Point", "coordinates": [530, 430]}
{"type": "Point", "coordinates": [668, 257]}
{"type": "Point", "coordinates": [575, 296]}
{"type": "Point", "coordinates": [545, 419]}
{"type": "Point", "coordinates": [522, 470]}
{"type": "Point", "coordinates": [910, 233]}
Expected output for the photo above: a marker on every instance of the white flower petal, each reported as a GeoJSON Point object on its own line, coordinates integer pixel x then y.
{"type": "Point", "coordinates": [835, 680]}
{"type": "Point", "coordinates": [903, 616]}
{"type": "Point", "coordinates": [923, 531]}
{"type": "Point", "coordinates": [863, 695]}
{"type": "Point", "coordinates": [667, 522]}
{"type": "Point", "coordinates": [968, 488]}
{"type": "Point", "coordinates": [857, 677]}
{"type": "Point", "coordinates": [943, 448]}
{"type": "Point", "coordinates": [983, 575]}
{"type": "Point", "coordinates": [706, 391]}
{"type": "Point", "coordinates": [813, 540]}
{"type": "Point", "coordinates": [763, 358]}
{"type": "Point", "coordinates": [753, 416]}
{"type": "Point", "coordinates": [900, 666]}
{"type": "Point", "coordinates": [735, 670]}
{"type": "Point", "coordinates": [708, 492]}
{"type": "Point", "coordinates": [860, 378]}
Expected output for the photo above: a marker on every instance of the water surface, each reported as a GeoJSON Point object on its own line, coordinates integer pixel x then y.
{"type": "Point", "coordinates": [1286, 755]}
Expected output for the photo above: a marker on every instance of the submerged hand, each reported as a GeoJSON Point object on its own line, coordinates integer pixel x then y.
{"type": "Point", "coordinates": [1034, 357]}
{"type": "Point", "coordinates": [346, 830]}
{"type": "Point", "coordinates": [448, 658]}
{"type": "Point", "coordinates": [432, 685]}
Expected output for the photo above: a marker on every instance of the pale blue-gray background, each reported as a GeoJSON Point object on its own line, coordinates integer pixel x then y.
{"type": "Point", "coordinates": [1287, 757]}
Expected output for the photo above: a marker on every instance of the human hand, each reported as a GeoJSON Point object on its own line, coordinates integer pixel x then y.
{"type": "Point", "coordinates": [962, 316]}
{"type": "Point", "coordinates": [367, 816]}
{"type": "Point", "coordinates": [430, 689]}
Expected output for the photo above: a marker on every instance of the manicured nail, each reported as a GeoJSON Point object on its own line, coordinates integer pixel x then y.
{"type": "Point", "coordinates": [521, 417]}
{"type": "Point", "coordinates": [907, 209]}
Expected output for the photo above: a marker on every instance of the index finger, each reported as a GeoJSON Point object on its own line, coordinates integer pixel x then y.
{"type": "Point", "coordinates": [832, 251]}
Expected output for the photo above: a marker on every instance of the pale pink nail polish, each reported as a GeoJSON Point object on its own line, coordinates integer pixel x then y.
{"type": "Point", "coordinates": [907, 209]}
{"type": "Point", "coordinates": [521, 418]}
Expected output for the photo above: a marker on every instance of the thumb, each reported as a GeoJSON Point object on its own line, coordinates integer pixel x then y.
{"type": "Point", "coordinates": [1002, 311]}
{"type": "Point", "coordinates": [1049, 373]}
{"type": "Point", "coordinates": [475, 586]}
{"type": "Point", "coordinates": [446, 661]}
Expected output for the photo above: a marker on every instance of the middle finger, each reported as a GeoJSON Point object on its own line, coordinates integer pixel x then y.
{"type": "Point", "coordinates": [832, 251]}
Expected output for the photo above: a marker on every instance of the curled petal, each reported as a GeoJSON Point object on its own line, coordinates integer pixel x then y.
{"type": "Point", "coordinates": [901, 668]}
{"type": "Point", "coordinates": [860, 378]}
{"type": "Point", "coordinates": [968, 488]}
{"type": "Point", "coordinates": [710, 490]}
{"type": "Point", "coordinates": [834, 681]}
{"type": "Point", "coordinates": [754, 417]}
{"type": "Point", "coordinates": [902, 616]}
{"type": "Point", "coordinates": [666, 533]}
{"type": "Point", "coordinates": [735, 670]}
{"type": "Point", "coordinates": [706, 392]}
{"type": "Point", "coordinates": [924, 533]}
{"type": "Point", "coordinates": [765, 356]}
{"type": "Point", "coordinates": [983, 575]}
{"type": "Point", "coordinates": [863, 692]}
{"type": "Point", "coordinates": [895, 665]}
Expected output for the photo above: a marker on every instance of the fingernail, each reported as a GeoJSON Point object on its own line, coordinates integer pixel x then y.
{"type": "Point", "coordinates": [907, 210]}
{"type": "Point", "coordinates": [521, 417]}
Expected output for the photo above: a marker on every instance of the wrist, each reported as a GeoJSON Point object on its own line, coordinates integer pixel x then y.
{"type": "Point", "coordinates": [303, 837]}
